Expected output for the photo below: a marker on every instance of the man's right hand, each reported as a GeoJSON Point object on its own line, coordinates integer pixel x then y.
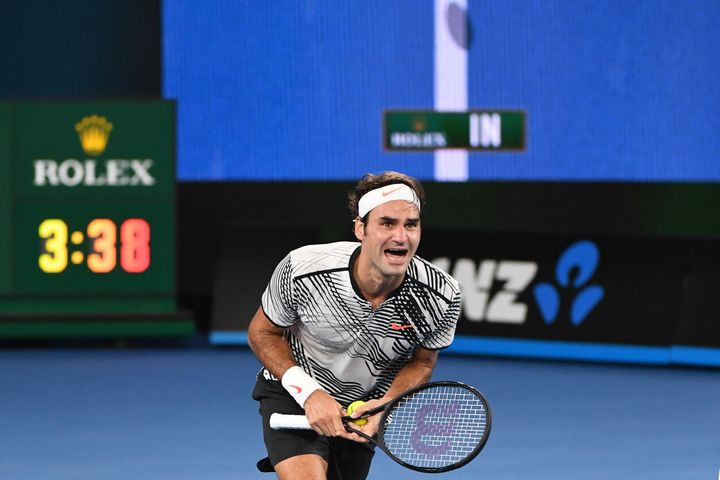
{"type": "Point", "coordinates": [325, 416]}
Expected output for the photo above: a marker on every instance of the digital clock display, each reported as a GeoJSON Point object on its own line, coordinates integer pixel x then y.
{"type": "Point", "coordinates": [88, 219]}
{"type": "Point", "coordinates": [104, 249]}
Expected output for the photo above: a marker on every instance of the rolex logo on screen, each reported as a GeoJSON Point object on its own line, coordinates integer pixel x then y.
{"type": "Point", "coordinates": [93, 131]}
{"type": "Point", "coordinates": [418, 137]}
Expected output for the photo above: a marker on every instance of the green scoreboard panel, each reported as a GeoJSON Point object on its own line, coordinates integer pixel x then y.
{"type": "Point", "coordinates": [87, 219]}
{"type": "Point", "coordinates": [492, 130]}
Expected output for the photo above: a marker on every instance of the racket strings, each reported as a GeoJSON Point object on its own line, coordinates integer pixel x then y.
{"type": "Point", "coordinates": [436, 427]}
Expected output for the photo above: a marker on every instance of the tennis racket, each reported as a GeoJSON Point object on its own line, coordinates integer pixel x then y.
{"type": "Point", "coordinates": [433, 428]}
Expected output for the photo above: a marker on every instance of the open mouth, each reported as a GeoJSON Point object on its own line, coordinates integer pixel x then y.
{"type": "Point", "coordinates": [396, 254]}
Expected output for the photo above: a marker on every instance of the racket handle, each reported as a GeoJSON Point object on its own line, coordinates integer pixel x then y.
{"type": "Point", "coordinates": [281, 420]}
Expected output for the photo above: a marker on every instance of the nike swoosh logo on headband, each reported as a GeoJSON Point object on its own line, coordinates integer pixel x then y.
{"type": "Point", "coordinates": [385, 194]}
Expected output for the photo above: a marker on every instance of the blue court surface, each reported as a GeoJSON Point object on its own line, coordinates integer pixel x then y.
{"type": "Point", "coordinates": [186, 413]}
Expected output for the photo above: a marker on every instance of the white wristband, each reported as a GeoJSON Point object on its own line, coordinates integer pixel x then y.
{"type": "Point", "coordinates": [299, 384]}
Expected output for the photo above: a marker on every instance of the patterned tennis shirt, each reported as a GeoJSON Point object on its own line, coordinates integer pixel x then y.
{"type": "Point", "coordinates": [350, 349]}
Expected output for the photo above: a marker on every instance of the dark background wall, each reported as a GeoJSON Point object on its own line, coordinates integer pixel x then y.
{"type": "Point", "coordinates": [52, 48]}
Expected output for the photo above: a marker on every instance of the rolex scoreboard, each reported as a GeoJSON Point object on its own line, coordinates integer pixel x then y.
{"type": "Point", "coordinates": [87, 219]}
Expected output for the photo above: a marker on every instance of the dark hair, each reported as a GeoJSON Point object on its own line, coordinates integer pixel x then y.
{"type": "Point", "coordinates": [370, 182]}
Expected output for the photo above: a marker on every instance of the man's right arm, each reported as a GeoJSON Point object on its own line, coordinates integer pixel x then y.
{"type": "Point", "coordinates": [270, 346]}
{"type": "Point", "coordinates": [268, 343]}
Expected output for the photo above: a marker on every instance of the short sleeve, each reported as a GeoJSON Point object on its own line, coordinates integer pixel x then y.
{"type": "Point", "coordinates": [444, 331]}
{"type": "Point", "coordinates": [278, 300]}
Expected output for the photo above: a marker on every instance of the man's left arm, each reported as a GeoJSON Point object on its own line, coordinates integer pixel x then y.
{"type": "Point", "coordinates": [416, 372]}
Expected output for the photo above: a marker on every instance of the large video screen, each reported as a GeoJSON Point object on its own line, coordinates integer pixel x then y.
{"type": "Point", "coordinates": [294, 90]}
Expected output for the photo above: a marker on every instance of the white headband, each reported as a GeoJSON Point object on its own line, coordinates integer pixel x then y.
{"type": "Point", "coordinates": [388, 193]}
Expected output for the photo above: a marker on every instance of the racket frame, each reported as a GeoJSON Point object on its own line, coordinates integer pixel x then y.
{"type": "Point", "coordinates": [388, 408]}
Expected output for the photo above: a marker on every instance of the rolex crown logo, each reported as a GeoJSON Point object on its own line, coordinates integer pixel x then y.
{"type": "Point", "coordinates": [94, 133]}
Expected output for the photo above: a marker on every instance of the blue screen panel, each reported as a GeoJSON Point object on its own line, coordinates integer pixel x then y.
{"type": "Point", "coordinates": [287, 90]}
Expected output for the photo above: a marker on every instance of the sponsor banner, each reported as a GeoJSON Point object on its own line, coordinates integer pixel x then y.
{"type": "Point", "coordinates": [93, 194]}
{"type": "Point", "coordinates": [607, 290]}
{"type": "Point", "coordinates": [87, 215]}
{"type": "Point", "coordinates": [99, 147]}
{"type": "Point", "coordinates": [604, 299]}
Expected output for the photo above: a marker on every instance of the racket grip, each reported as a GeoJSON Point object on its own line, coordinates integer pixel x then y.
{"type": "Point", "coordinates": [281, 420]}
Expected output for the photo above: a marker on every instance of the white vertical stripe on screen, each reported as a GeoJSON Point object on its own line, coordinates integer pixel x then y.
{"type": "Point", "coordinates": [450, 86]}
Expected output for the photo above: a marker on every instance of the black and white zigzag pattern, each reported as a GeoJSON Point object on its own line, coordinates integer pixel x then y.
{"type": "Point", "coordinates": [351, 350]}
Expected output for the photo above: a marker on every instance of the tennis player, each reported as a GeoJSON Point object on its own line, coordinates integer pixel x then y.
{"type": "Point", "coordinates": [349, 321]}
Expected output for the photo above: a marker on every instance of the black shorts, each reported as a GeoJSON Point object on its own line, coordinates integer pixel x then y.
{"type": "Point", "coordinates": [347, 460]}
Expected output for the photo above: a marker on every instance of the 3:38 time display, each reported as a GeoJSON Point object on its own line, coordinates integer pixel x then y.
{"type": "Point", "coordinates": [100, 246]}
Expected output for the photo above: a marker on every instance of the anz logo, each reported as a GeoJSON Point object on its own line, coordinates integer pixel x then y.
{"type": "Point", "coordinates": [585, 257]}
{"type": "Point", "coordinates": [483, 301]}
{"type": "Point", "coordinates": [476, 282]}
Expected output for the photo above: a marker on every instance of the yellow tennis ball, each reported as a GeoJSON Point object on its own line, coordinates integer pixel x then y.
{"type": "Point", "coordinates": [351, 408]}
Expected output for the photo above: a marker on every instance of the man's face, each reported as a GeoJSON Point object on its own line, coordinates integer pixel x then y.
{"type": "Point", "coordinates": [390, 237]}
